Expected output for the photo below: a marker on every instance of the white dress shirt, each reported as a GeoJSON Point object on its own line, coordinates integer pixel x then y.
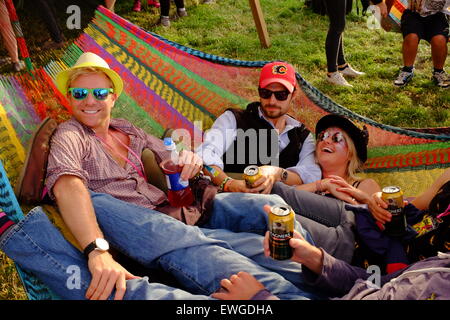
{"type": "Point", "coordinates": [222, 135]}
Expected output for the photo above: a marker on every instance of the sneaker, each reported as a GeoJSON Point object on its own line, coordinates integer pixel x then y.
{"type": "Point", "coordinates": [18, 66]}
{"type": "Point", "coordinates": [441, 79]}
{"type": "Point", "coordinates": [350, 72]}
{"type": "Point", "coordinates": [165, 21]}
{"type": "Point", "coordinates": [182, 12]}
{"type": "Point", "coordinates": [137, 6]}
{"type": "Point", "coordinates": [154, 3]}
{"type": "Point", "coordinates": [337, 79]}
{"type": "Point", "coordinates": [403, 78]}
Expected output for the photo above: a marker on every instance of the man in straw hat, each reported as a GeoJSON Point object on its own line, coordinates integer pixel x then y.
{"type": "Point", "coordinates": [95, 176]}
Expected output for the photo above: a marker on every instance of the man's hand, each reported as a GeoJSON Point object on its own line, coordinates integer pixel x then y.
{"type": "Point", "coordinates": [236, 185]}
{"type": "Point", "coordinates": [378, 207]}
{"type": "Point", "coordinates": [270, 175]}
{"type": "Point", "coordinates": [304, 252]}
{"type": "Point", "coordinates": [191, 163]}
{"type": "Point", "coordinates": [107, 274]}
{"type": "Point", "coordinates": [241, 286]}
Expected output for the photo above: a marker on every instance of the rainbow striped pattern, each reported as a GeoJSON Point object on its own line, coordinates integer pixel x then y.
{"type": "Point", "coordinates": [171, 86]}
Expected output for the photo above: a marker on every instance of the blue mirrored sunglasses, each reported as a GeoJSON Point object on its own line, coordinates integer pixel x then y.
{"type": "Point", "coordinates": [98, 93]}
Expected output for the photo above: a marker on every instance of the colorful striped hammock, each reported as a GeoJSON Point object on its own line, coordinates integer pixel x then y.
{"type": "Point", "coordinates": [168, 85]}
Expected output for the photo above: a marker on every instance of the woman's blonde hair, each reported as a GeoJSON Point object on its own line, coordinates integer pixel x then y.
{"type": "Point", "coordinates": [85, 71]}
{"type": "Point", "coordinates": [354, 165]}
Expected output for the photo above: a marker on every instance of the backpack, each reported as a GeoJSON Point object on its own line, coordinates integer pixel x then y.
{"type": "Point", "coordinates": [30, 187]}
{"type": "Point", "coordinates": [434, 229]}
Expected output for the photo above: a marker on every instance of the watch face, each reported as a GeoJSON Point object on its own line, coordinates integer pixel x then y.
{"type": "Point", "coordinates": [102, 244]}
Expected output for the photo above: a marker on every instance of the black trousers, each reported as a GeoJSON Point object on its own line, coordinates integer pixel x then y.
{"type": "Point", "coordinates": [165, 6]}
{"type": "Point", "coordinates": [334, 48]}
{"type": "Point", "coordinates": [46, 11]}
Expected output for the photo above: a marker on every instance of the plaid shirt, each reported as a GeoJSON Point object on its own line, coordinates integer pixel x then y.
{"type": "Point", "coordinates": [76, 151]}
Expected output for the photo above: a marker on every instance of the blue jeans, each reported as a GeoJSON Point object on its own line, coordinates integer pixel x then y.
{"type": "Point", "coordinates": [199, 260]}
{"type": "Point", "coordinates": [38, 246]}
{"type": "Point", "coordinates": [243, 212]}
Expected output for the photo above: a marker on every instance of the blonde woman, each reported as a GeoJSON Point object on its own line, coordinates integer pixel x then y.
{"type": "Point", "coordinates": [341, 150]}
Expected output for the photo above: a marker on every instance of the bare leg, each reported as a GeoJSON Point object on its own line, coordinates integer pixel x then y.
{"type": "Point", "coordinates": [410, 46]}
{"type": "Point", "coordinates": [7, 33]}
{"type": "Point", "coordinates": [110, 4]}
{"type": "Point", "coordinates": [439, 51]}
{"type": "Point", "coordinates": [423, 201]}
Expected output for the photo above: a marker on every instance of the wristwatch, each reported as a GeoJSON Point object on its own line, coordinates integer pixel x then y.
{"type": "Point", "coordinates": [284, 175]}
{"type": "Point", "coordinates": [98, 244]}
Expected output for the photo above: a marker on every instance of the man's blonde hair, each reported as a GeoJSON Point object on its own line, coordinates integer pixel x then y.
{"type": "Point", "coordinates": [85, 71]}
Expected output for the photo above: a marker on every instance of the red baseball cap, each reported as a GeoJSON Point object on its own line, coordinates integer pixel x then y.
{"type": "Point", "coordinates": [280, 72]}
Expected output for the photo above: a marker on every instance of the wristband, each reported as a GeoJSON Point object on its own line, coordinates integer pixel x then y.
{"type": "Point", "coordinates": [222, 185]}
{"type": "Point", "coordinates": [319, 187]}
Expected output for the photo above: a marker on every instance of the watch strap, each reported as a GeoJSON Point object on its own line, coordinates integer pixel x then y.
{"type": "Point", "coordinates": [90, 247]}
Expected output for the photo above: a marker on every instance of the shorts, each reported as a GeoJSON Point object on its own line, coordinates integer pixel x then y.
{"type": "Point", "coordinates": [425, 27]}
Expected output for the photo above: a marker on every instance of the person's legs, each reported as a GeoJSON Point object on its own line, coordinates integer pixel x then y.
{"type": "Point", "coordinates": [439, 51]}
{"type": "Point", "coordinates": [165, 7]}
{"type": "Point", "coordinates": [333, 44]}
{"type": "Point", "coordinates": [7, 32]}
{"type": "Point", "coordinates": [413, 30]}
{"type": "Point", "coordinates": [326, 219]}
{"type": "Point", "coordinates": [243, 212]}
{"type": "Point", "coordinates": [37, 246]}
{"type": "Point", "coordinates": [47, 15]}
{"type": "Point", "coordinates": [196, 261]}
{"type": "Point", "coordinates": [250, 245]}
{"type": "Point", "coordinates": [437, 32]}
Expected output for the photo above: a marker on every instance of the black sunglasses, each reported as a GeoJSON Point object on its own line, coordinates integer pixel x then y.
{"type": "Point", "coordinates": [279, 95]}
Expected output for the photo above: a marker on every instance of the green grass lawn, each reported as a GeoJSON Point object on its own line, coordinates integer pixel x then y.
{"type": "Point", "coordinates": [227, 29]}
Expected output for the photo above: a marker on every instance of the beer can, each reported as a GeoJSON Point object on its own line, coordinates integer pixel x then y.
{"type": "Point", "coordinates": [393, 195]}
{"type": "Point", "coordinates": [281, 228]}
{"type": "Point", "coordinates": [251, 174]}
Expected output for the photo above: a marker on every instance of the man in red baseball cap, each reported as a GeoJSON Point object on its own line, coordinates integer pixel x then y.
{"type": "Point", "coordinates": [263, 135]}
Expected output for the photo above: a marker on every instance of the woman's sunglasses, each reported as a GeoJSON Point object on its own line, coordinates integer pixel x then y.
{"type": "Point", "coordinates": [98, 93]}
{"type": "Point", "coordinates": [279, 95]}
{"type": "Point", "coordinates": [337, 137]}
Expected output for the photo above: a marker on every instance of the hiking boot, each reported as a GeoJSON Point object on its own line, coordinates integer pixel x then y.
{"type": "Point", "coordinates": [208, 1]}
{"type": "Point", "coordinates": [337, 79]}
{"type": "Point", "coordinates": [182, 12]}
{"type": "Point", "coordinates": [165, 21]}
{"type": "Point", "coordinates": [403, 78]}
{"type": "Point", "coordinates": [350, 72]}
{"type": "Point", "coordinates": [441, 79]}
{"type": "Point", "coordinates": [154, 3]}
{"type": "Point", "coordinates": [137, 6]}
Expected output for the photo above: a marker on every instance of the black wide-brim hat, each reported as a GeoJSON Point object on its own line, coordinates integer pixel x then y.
{"type": "Point", "coordinates": [359, 136]}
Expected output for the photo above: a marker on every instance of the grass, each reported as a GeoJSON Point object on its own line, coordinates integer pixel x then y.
{"type": "Point", "coordinates": [226, 28]}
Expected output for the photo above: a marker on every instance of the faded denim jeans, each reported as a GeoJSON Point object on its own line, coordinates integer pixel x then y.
{"type": "Point", "coordinates": [197, 258]}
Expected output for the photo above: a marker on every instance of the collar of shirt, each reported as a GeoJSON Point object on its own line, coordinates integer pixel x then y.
{"type": "Point", "coordinates": [120, 124]}
{"type": "Point", "coordinates": [290, 122]}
